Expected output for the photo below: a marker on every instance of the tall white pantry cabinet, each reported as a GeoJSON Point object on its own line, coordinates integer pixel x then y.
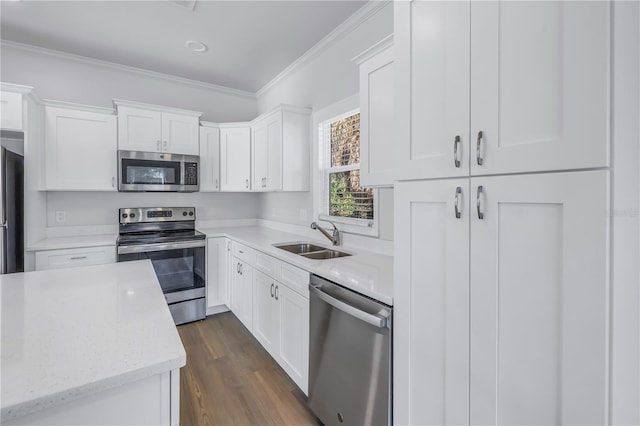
{"type": "Point", "coordinates": [501, 212]}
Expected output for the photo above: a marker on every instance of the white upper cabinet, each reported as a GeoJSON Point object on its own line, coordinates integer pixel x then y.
{"type": "Point", "coordinates": [209, 157]}
{"type": "Point", "coordinates": [531, 77]}
{"type": "Point", "coordinates": [539, 85]}
{"type": "Point", "coordinates": [432, 82]}
{"type": "Point", "coordinates": [235, 157]}
{"type": "Point", "coordinates": [10, 110]}
{"type": "Point", "coordinates": [280, 150]}
{"type": "Point", "coordinates": [266, 149]}
{"type": "Point", "coordinates": [80, 148]}
{"type": "Point", "coordinates": [377, 114]}
{"type": "Point", "coordinates": [152, 128]}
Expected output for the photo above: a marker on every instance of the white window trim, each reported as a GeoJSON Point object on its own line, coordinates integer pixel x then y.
{"type": "Point", "coordinates": [348, 225]}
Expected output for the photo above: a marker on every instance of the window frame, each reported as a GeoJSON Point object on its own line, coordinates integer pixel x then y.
{"type": "Point", "coordinates": [322, 160]}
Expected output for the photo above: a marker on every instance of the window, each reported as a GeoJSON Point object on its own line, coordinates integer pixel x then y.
{"type": "Point", "coordinates": [342, 199]}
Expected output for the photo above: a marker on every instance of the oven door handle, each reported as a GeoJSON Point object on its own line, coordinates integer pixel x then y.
{"type": "Point", "coordinates": [143, 248]}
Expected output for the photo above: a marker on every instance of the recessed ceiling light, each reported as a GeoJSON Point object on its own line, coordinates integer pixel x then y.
{"type": "Point", "coordinates": [196, 46]}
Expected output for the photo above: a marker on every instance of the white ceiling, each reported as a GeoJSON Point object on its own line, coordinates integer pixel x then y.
{"type": "Point", "coordinates": [250, 42]}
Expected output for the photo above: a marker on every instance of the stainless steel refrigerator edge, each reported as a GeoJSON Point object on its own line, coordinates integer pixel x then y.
{"type": "Point", "coordinates": [12, 199]}
{"type": "Point", "coordinates": [350, 355]}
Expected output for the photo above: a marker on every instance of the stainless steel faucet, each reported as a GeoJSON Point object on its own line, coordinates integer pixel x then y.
{"type": "Point", "coordinates": [335, 238]}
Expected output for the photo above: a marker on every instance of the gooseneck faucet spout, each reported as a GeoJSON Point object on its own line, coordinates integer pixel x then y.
{"type": "Point", "coordinates": [334, 237]}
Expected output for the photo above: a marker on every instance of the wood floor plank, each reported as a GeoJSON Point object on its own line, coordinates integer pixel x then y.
{"type": "Point", "coordinates": [230, 379]}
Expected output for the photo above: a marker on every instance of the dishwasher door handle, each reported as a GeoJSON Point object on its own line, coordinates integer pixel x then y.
{"type": "Point", "coordinates": [375, 320]}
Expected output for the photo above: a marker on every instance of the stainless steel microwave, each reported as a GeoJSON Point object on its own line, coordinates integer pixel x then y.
{"type": "Point", "coordinates": [157, 172]}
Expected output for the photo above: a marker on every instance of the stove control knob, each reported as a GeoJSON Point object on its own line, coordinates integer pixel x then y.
{"type": "Point", "coordinates": [190, 213]}
{"type": "Point", "coordinates": [132, 215]}
{"type": "Point", "coordinates": [124, 215]}
{"type": "Point", "coordinates": [184, 213]}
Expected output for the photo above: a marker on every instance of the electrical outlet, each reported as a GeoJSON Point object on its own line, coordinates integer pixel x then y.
{"type": "Point", "coordinates": [61, 217]}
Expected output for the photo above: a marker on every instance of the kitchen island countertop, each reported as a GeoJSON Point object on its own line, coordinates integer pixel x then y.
{"type": "Point", "coordinates": [69, 333]}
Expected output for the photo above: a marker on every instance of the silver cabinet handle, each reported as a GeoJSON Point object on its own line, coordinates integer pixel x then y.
{"type": "Point", "coordinates": [158, 146]}
{"type": "Point", "coordinates": [78, 257]}
{"type": "Point", "coordinates": [276, 292]}
{"type": "Point", "coordinates": [165, 145]}
{"type": "Point", "coordinates": [240, 251]}
{"type": "Point", "coordinates": [272, 289]}
{"type": "Point", "coordinates": [216, 183]}
{"type": "Point", "coordinates": [480, 192]}
{"type": "Point", "coordinates": [228, 245]}
{"type": "Point", "coordinates": [456, 142]}
{"type": "Point", "coordinates": [246, 183]}
{"type": "Point", "coordinates": [241, 269]}
{"type": "Point", "coordinates": [479, 158]}
{"type": "Point", "coordinates": [457, 201]}
{"type": "Point", "coordinates": [237, 268]}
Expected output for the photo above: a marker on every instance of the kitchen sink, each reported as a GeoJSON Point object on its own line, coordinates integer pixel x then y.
{"type": "Point", "coordinates": [299, 248]}
{"type": "Point", "coordinates": [311, 251]}
{"type": "Point", "coordinates": [325, 254]}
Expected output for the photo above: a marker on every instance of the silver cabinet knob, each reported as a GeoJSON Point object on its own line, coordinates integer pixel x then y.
{"type": "Point", "coordinates": [456, 207]}
{"type": "Point", "coordinates": [478, 194]}
{"type": "Point", "coordinates": [456, 142]}
{"type": "Point", "coordinates": [479, 158]}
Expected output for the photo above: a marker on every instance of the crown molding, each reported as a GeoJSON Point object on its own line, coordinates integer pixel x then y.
{"type": "Point", "coordinates": [159, 108]}
{"type": "Point", "coordinates": [370, 52]}
{"type": "Point", "coordinates": [127, 68]}
{"type": "Point", "coordinates": [78, 107]}
{"type": "Point", "coordinates": [354, 21]}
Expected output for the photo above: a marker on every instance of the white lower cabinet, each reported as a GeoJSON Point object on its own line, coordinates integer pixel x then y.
{"type": "Point", "coordinates": [69, 258]}
{"type": "Point", "coordinates": [242, 291]}
{"type": "Point", "coordinates": [218, 252]}
{"type": "Point", "coordinates": [266, 316]}
{"type": "Point", "coordinates": [293, 339]}
{"type": "Point", "coordinates": [501, 313]}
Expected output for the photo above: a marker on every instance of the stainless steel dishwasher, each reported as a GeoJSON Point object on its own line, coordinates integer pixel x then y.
{"type": "Point", "coordinates": [349, 356]}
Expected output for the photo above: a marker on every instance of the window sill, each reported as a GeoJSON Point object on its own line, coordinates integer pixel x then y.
{"type": "Point", "coordinates": [348, 225]}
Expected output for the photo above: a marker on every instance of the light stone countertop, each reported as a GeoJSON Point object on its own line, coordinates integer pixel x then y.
{"type": "Point", "coordinates": [69, 333]}
{"type": "Point", "coordinates": [365, 272]}
{"type": "Point", "coordinates": [78, 241]}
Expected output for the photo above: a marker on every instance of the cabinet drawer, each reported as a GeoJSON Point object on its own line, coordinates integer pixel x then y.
{"type": "Point", "coordinates": [68, 258]}
{"type": "Point", "coordinates": [294, 278]}
{"type": "Point", "coordinates": [267, 264]}
{"type": "Point", "coordinates": [243, 252]}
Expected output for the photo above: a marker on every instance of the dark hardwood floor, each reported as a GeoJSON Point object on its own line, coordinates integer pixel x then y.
{"type": "Point", "coordinates": [230, 379]}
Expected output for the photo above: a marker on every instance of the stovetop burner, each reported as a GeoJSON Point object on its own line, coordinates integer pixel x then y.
{"type": "Point", "coordinates": [155, 225]}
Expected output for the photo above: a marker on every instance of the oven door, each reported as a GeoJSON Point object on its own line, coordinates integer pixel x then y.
{"type": "Point", "coordinates": [180, 266]}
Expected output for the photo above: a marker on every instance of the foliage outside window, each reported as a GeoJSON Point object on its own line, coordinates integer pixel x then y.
{"type": "Point", "coordinates": [346, 198]}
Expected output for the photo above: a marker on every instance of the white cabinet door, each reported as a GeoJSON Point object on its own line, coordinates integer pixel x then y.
{"type": "Point", "coordinates": [180, 134]}
{"type": "Point", "coordinates": [539, 85]}
{"type": "Point", "coordinates": [431, 301]}
{"type": "Point", "coordinates": [217, 271]}
{"type": "Point", "coordinates": [139, 129]}
{"type": "Point", "coordinates": [377, 120]}
{"type": "Point", "coordinates": [11, 111]}
{"type": "Point", "coordinates": [242, 292]}
{"type": "Point", "coordinates": [293, 353]}
{"type": "Point", "coordinates": [266, 159]}
{"type": "Point", "coordinates": [539, 299]}
{"type": "Point", "coordinates": [432, 47]}
{"type": "Point", "coordinates": [209, 159]}
{"type": "Point", "coordinates": [235, 159]}
{"type": "Point", "coordinates": [266, 318]}
{"type": "Point", "coordinates": [80, 149]}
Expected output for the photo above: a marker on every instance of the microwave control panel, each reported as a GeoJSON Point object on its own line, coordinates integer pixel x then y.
{"type": "Point", "coordinates": [190, 173]}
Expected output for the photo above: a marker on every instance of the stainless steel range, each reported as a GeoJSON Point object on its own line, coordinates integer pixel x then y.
{"type": "Point", "coordinates": [167, 236]}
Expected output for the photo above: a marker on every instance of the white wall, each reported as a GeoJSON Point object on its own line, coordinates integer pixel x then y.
{"type": "Point", "coordinates": [323, 80]}
{"type": "Point", "coordinates": [71, 79]}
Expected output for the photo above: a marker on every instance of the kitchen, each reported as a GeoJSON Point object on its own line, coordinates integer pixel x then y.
{"type": "Point", "coordinates": [322, 80]}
